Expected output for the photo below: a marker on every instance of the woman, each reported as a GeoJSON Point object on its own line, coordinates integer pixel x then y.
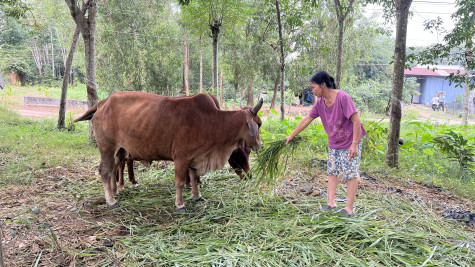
{"type": "Point", "coordinates": [345, 132]}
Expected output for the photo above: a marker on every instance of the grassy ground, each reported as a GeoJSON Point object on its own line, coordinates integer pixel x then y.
{"type": "Point", "coordinates": [76, 92]}
{"type": "Point", "coordinates": [53, 214]}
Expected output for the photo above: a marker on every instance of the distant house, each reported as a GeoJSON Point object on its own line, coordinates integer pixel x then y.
{"type": "Point", "coordinates": [432, 82]}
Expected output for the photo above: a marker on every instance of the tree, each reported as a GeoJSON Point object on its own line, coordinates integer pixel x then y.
{"type": "Point", "coordinates": [402, 14]}
{"type": "Point", "coordinates": [140, 52]}
{"type": "Point", "coordinates": [186, 63]}
{"type": "Point", "coordinates": [215, 14]}
{"type": "Point", "coordinates": [342, 13]}
{"type": "Point", "coordinates": [66, 75]}
{"type": "Point", "coordinates": [87, 26]}
{"type": "Point", "coordinates": [458, 46]}
{"type": "Point", "coordinates": [282, 63]}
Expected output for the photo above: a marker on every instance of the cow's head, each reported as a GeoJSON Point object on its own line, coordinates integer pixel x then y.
{"type": "Point", "coordinates": [253, 139]}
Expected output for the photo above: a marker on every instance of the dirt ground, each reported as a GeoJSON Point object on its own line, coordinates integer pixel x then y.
{"type": "Point", "coordinates": [31, 111]}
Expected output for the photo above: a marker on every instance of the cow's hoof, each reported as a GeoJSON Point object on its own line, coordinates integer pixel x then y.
{"type": "Point", "coordinates": [181, 210]}
{"type": "Point", "coordinates": [200, 199]}
{"type": "Point", "coordinates": [116, 205]}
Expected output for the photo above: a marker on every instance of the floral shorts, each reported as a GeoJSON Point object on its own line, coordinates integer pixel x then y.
{"type": "Point", "coordinates": [339, 162]}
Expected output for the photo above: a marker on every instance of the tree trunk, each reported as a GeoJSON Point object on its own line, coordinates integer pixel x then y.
{"type": "Point", "coordinates": [221, 86]}
{"type": "Point", "coordinates": [201, 66]}
{"type": "Point", "coordinates": [87, 26]}
{"type": "Point", "coordinates": [36, 56]}
{"type": "Point", "coordinates": [402, 12]}
{"type": "Point", "coordinates": [215, 35]}
{"type": "Point", "coordinates": [52, 51]}
{"type": "Point", "coordinates": [466, 91]}
{"type": "Point", "coordinates": [64, 88]}
{"type": "Point", "coordinates": [90, 52]}
{"type": "Point", "coordinates": [250, 96]}
{"type": "Point", "coordinates": [282, 64]}
{"type": "Point", "coordinates": [236, 87]}
{"type": "Point", "coordinates": [341, 13]}
{"type": "Point", "coordinates": [243, 90]}
{"type": "Point", "coordinates": [186, 64]}
{"type": "Point", "coordinates": [466, 100]}
{"type": "Point", "coordinates": [339, 58]}
{"type": "Point", "coordinates": [274, 96]}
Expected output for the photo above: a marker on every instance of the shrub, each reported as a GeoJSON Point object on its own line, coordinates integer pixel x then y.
{"type": "Point", "coordinates": [457, 148]}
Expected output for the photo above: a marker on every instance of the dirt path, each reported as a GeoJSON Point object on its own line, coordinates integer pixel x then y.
{"type": "Point", "coordinates": [31, 111]}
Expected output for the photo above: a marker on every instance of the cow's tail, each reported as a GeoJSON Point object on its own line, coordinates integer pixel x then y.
{"type": "Point", "coordinates": [88, 115]}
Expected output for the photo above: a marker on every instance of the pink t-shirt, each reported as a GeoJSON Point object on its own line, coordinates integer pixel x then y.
{"type": "Point", "coordinates": [336, 120]}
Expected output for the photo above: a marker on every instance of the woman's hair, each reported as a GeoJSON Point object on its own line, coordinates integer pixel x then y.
{"type": "Point", "coordinates": [323, 77]}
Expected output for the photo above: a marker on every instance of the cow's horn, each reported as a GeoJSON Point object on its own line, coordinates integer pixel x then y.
{"type": "Point", "coordinates": [256, 109]}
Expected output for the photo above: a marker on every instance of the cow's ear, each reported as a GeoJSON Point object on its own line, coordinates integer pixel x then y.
{"type": "Point", "coordinates": [253, 128]}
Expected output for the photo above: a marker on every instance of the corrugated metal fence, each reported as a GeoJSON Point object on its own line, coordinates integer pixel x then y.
{"type": "Point", "coordinates": [457, 108]}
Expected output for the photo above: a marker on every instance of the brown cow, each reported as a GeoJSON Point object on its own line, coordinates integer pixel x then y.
{"type": "Point", "coordinates": [239, 161]}
{"type": "Point", "coordinates": [191, 131]}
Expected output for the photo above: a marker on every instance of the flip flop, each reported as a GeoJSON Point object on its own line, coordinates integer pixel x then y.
{"type": "Point", "coordinates": [328, 207]}
{"type": "Point", "coordinates": [345, 213]}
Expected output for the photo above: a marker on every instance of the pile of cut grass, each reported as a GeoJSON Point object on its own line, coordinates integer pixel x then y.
{"type": "Point", "coordinates": [237, 226]}
{"type": "Point", "coordinates": [273, 159]}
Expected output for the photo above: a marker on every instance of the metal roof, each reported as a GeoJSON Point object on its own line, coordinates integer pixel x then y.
{"type": "Point", "coordinates": [442, 71]}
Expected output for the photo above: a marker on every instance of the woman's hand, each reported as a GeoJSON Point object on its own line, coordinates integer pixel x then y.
{"type": "Point", "coordinates": [353, 150]}
{"type": "Point", "coordinates": [288, 139]}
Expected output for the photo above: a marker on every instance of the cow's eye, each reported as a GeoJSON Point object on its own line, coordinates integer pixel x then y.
{"type": "Point", "coordinates": [259, 124]}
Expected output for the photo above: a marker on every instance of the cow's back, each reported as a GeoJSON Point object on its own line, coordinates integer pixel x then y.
{"type": "Point", "coordinates": [147, 125]}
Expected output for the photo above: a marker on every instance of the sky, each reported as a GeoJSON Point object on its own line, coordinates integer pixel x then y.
{"type": "Point", "coordinates": [425, 10]}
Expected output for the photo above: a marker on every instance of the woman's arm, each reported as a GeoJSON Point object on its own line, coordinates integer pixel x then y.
{"type": "Point", "coordinates": [302, 125]}
{"type": "Point", "coordinates": [356, 134]}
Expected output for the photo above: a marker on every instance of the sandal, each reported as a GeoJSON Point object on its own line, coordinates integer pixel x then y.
{"type": "Point", "coordinates": [345, 213]}
{"type": "Point", "coordinates": [328, 207]}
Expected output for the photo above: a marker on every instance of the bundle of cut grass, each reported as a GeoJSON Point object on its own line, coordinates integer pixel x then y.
{"type": "Point", "coordinates": [273, 159]}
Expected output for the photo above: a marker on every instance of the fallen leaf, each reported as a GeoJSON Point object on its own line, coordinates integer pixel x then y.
{"type": "Point", "coordinates": [35, 248]}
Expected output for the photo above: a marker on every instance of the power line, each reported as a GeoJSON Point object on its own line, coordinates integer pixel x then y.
{"type": "Point", "coordinates": [434, 2]}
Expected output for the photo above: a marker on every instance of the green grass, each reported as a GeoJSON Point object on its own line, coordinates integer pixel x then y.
{"type": "Point", "coordinates": [28, 145]}
{"type": "Point", "coordinates": [77, 92]}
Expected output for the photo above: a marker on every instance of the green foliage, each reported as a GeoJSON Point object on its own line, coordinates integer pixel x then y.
{"type": "Point", "coordinates": [372, 96]}
{"type": "Point", "coordinates": [457, 147]}
{"type": "Point", "coordinates": [14, 8]}
{"type": "Point", "coordinates": [459, 98]}
{"type": "Point", "coordinates": [374, 142]}
{"type": "Point", "coordinates": [139, 52]}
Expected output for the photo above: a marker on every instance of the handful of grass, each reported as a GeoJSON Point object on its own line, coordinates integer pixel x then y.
{"type": "Point", "coordinates": [273, 159]}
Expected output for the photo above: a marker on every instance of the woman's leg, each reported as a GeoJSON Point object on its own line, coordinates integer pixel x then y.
{"type": "Point", "coordinates": [351, 188]}
{"type": "Point", "coordinates": [332, 185]}
{"type": "Point", "coordinates": [351, 173]}
{"type": "Point", "coordinates": [333, 169]}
